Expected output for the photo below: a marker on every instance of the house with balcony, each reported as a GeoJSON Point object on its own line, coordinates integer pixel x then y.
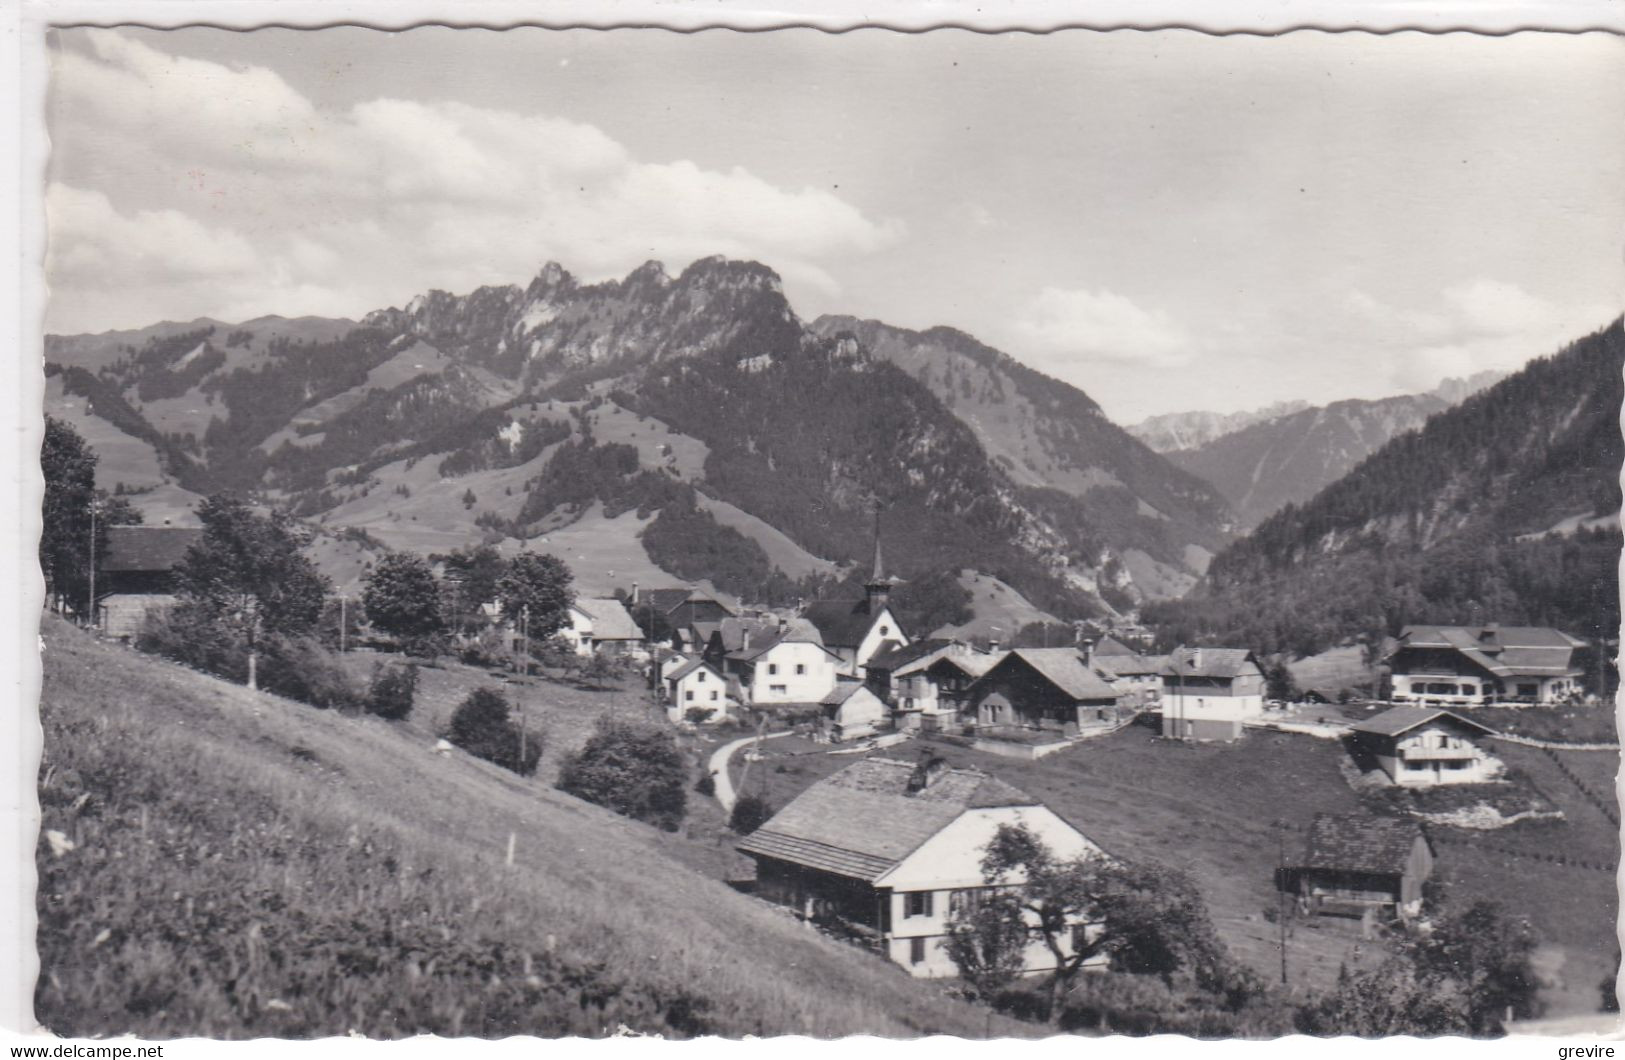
{"type": "Point", "coordinates": [887, 852]}
{"type": "Point", "coordinates": [925, 683]}
{"type": "Point", "coordinates": [1422, 746]}
{"type": "Point", "coordinates": [1463, 666]}
{"type": "Point", "coordinates": [1207, 693]}
{"type": "Point", "coordinates": [1052, 690]}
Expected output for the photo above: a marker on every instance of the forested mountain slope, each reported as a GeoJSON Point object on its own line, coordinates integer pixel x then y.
{"type": "Point", "coordinates": [1501, 509]}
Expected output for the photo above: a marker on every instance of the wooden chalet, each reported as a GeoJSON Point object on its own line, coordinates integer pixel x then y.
{"type": "Point", "coordinates": [1458, 666]}
{"type": "Point", "coordinates": [1041, 688]}
{"type": "Point", "coordinates": [1418, 746]}
{"type": "Point", "coordinates": [136, 574]}
{"type": "Point", "coordinates": [1359, 862]}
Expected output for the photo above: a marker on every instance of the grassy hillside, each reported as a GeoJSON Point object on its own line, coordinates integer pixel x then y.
{"type": "Point", "coordinates": [244, 866]}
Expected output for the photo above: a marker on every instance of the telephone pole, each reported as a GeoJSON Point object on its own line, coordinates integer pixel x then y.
{"type": "Point", "coordinates": [1280, 886]}
{"type": "Point", "coordinates": [90, 610]}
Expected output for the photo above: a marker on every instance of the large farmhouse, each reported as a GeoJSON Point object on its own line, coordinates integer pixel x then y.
{"type": "Point", "coordinates": [1444, 666]}
{"type": "Point", "coordinates": [137, 574]}
{"type": "Point", "coordinates": [1419, 746]}
{"type": "Point", "coordinates": [890, 851]}
{"type": "Point", "coordinates": [1042, 688]}
{"type": "Point", "coordinates": [1208, 692]}
{"type": "Point", "coordinates": [602, 627]}
{"type": "Point", "coordinates": [1359, 862]}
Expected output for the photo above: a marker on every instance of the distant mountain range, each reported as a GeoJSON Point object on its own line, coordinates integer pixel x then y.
{"type": "Point", "coordinates": [1504, 508]}
{"type": "Point", "coordinates": [654, 428]}
{"type": "Point", "coordinates": [1261, 461]}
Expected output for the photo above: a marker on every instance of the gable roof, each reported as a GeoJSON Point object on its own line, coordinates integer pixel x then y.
{"type": "Point", "coordinates": [863, 821]}
{"type": "Point", "coordinates": [899, 659]}
{"type": "Point", "coordinates": [689, 667]}
{"type": "Point", "coordinates": [1062, 667]}
{"type": "Point", "coordinates": [1110, 645]}
{"type": "Point", "coordinates": [840, 623]}
{"type": "Point", "coordinates": [1132, 665]}
{"type": "Point", "coordinates": [1396, 721]}
{"type": "Point", "coordinates": [1361, 843]}
{"type": "Point", "coordinates": [1505, 651]}
{"type": "Point", "coordinates": [610, 619]}
{"type": "Point", "coordinates": [147, 548]}
{"type": "Point", "coordinates": [670, 599]}
{"type": "Point", "coordinates": [843, 691]}
{"type": "Point", "coordinates": [1208, 662]}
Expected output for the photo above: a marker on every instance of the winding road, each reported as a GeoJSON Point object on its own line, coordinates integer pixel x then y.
{"type": "Point", "coordinates": [724, 790]}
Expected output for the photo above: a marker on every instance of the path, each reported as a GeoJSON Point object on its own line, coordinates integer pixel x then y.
{"type": "Point", "coordinates": [719, 769]}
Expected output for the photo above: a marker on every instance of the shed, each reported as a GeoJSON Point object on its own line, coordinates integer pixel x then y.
{"type": "Point", "coordinates": [1360, 861]}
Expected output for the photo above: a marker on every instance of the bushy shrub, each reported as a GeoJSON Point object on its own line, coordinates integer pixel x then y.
{"type": "Point", "coordinates": [634, 769]}
{"type": "Point", "coordinates": [187, 634]}
{"type": "Point", "coordinates": [300, 668]}
{"type": "Point", "coordinates": [392, 691]}
{"type": "Point", "coordinates": [707, 786]}
{"type": "Point", "coordinates": [749, 814]}
{"type": "Point", "coordinates": [483, 726]}
{"type": "Point", "coordinates": [486, 648]}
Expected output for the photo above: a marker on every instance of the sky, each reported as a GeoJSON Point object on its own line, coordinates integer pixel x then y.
{"type": "Point", "coordinates": [1168, 220]}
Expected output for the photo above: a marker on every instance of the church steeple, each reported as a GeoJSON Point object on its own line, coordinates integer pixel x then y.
{"type": "Point", "coordinates": [878, 588]}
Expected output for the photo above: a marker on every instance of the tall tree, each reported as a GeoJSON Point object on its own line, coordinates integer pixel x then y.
{"type": "Point", "coordinates": [1489, 955]}
{"type": "Point", "coordinates": [634, 769]}
{"type": "Point", "coordinates": [65, 547]}
{"type": "Point", "coordinates": [401, 596]}
{"type": "Point", "coordinates": [541, 584]}
{"type": "Point", "coordinates": [248, 571]}
{"type": "Point", "coordinates": [470, 581]}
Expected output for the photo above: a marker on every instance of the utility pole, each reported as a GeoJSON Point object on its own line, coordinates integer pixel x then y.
{"type": "Point", "coordinates": [342, 623]}
{"type": "Point", "coordinates": [524, 637]}
{"type": "Point", "coordinates": [90, 610]}
{"type": "Point", "coordinates": [1280, 885]}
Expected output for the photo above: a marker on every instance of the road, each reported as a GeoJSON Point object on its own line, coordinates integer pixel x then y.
{"type": "Point", "coordinates": [719, 769]}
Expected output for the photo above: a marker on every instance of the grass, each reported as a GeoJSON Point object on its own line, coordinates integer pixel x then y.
{"type": "Point", "coordinates": [1210, 808]}
{"type": "Point", "coordinates": [245, 866]}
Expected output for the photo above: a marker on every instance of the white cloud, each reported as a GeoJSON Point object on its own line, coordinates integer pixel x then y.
{"type": "Point", "coordinates": [1100, 326]}
{"type": "Point", "coordinates": [277, 205]}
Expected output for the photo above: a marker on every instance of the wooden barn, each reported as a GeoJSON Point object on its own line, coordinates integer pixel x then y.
{"type": "Point", "coordinates": [1042, 688]}
{"type": "Point", "coordinates": [136, 574]}
{"type": "Point", "coordinates": [1359, 862]}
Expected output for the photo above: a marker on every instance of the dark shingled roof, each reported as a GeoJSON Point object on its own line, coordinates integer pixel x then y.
{"type": "Point", "coordinates": [841, 623]}
{"type": "Point", "coordinates": [1397, 720]}
{"type": "Point", "coordinates": [1062, 667]}
{"type": "Point", "coordinates": [1505, 651]}
{"type": "Point", "coordinates": [863, 821]}
{"type": "Point", "coordinates": [147, 548]}
{"type": "Point", "coordinates": [1360, 843]}
{"type": "Point", "coordinates": [1208, 662]}
{"type": "Point", "coordinates": [899, 655]}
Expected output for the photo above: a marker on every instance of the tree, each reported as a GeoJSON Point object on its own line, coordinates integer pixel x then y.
{"type": "Point", "coordinates": [69, 468]}
{"type": "Point", "coordinates": [540, 583]}
{"type": "Point", "coordinates": [483, 726]}
{"type": "Point", "coordinates": [392, 691]}
{"type": "Point", "coordinates": [988, 942]}
{"type": "Point", "coordinates": [634, 769]}
{"type": "Point", "coordinates": [470, 581]}
{"type": "Point", "coordinates": [1279, 682]}
{"type": "Point", "coordinates": [749, 813]}
{"type": "Point", "coordinates": [1391, 1000]}
{"type": "Point", "coordinates": [1489, 955]}
{"type": "Point", "coordinates": [1148, 917]}
{"type": "Point", "coordinates": [401, 597]}
{"type": "Point", "coordinates": [247, 572]}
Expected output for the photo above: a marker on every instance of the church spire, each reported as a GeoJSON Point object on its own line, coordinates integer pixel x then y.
{"type": "Point", "coordinates": [879, 572]}
{"type": "Point", "coordinates": [878, 590]}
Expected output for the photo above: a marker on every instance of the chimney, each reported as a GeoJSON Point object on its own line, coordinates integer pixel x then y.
{"type": "Point", "coordinates": [1088, 652]}
{"type": "Point", "coordinates": [1196, 658]}
{"type": "Point", "coordinates": [745, 646]}
{"type": "Point", "coordinates": [926, 773]}
{"type": "Point", "coordinates": [1489, 632]}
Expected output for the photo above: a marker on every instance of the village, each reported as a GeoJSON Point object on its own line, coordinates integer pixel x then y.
{"type": "Point", "coordinates": [882, 765]}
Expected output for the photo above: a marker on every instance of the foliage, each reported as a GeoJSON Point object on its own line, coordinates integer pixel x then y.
{"type": "Point", "coordinates": [392, 690]}
{"type": "Point", "coordinates": [1279, 682]}
{"type": "Point", "coordinates": [301, 668]}
{"type": "Point", "coordinates": [1044, 635]}
{"type": "Point", "coordinates": [930, 600]}
{"type": "Point", "coordinates": [401, 596]}
{"type": "Point", "coordinates": [188, 633]}
{"type": "Point", "coordinates": [483, 726]}
{"type": "Point", "coordinates": [540, 583]}
{"type": "Point", "coordinates": [634, 769]}
{"type": "Point", "coordinates": [1138, 1005]}
{"type": "Point", "coordinates": [989, 946]}
{"type": "Point", "coordinates": [247, 570]}
{"type": "Point", "coordinates": [750, 812]}
{"type": "Point", "coordinates": [1391, 1000]}
{"type": "Point", "coordinates": [687, 541]}
{"type": "Point", "coordinates": [706, 785]}
{"type": "Point", "coordinates": [469, 581]}
{"type": "Point", "coordinates": [1489, 957]}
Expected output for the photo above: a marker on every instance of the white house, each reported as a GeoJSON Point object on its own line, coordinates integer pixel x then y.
{"type": "Point", "coordinates": [852, 711]}
{"type": "Point", "coordinates": [1208, 692]}
{"type": "Point", "coordinates": [785, 668]}
{"type": "Point", "coordinates": [697, 685]}
{"type": "Point", "coordinates": [601, 626]}
{"type": "Point", "coordinates": [1421, 747]}
{"type": "Point", "coordinates": [891, 851]}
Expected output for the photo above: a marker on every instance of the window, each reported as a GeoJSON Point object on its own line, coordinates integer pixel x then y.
{"type": "Point", "coordinates": [689, 695]}
{"type": "Point", "coordinates": [885, 631]}
{"type": "Point", "coordinates": [772, 668]}
{"type": "Point", "coordinates": [713, 695]}
{"type": "Point", "coordinates": [916, 951]}
{"type": "Point", "coordinates": [1080, 937]}
{"type": "Point", "coordinates": [917, 903]}
{"type": "Point", "coordinates": [801, 668]}
{"type": "Point", "coordinates": [780, 689]}
{"type": "Point", "coordinates": [700, 676]}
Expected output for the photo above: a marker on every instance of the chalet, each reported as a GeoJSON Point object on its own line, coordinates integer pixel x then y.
{"type": "Point", "coordinates": [1419, 746]}
{"type": "Point", "coordinates": [1041, 688]}
{"type": "Point", "coordinates": [852, 711]}
{"type": "Point", "coordinates": [1207, 692]}
{"type": "Point", "coordinates": [136, 574]}
{"type": "Point", "coordinates": [680, 607]}
{"type": "Point", "coordinates": [891, 851]}
{"type": "Point", "coordinates": [602, 627]}
{"type": "Point", "coordinates": [1137, 678]}
{"type": "Point", "coordinates": [672, 661]}
{"type": "Point", "coordinates": [1358, 862]}
{"type": "Point", "coordinates": [1457, 666]}
{"type": "Point", "coordinates": [925, 682]}
{"type": "Point", "coordinates": [697, 686]}
{"type": "Point", "coordinates": [856, 630]}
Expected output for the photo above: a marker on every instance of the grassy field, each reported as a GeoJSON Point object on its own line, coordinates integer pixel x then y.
{"type": "Point", "coordinates": [1211, 810]}
{"type": "Point", "coordinates": [229, 864]}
